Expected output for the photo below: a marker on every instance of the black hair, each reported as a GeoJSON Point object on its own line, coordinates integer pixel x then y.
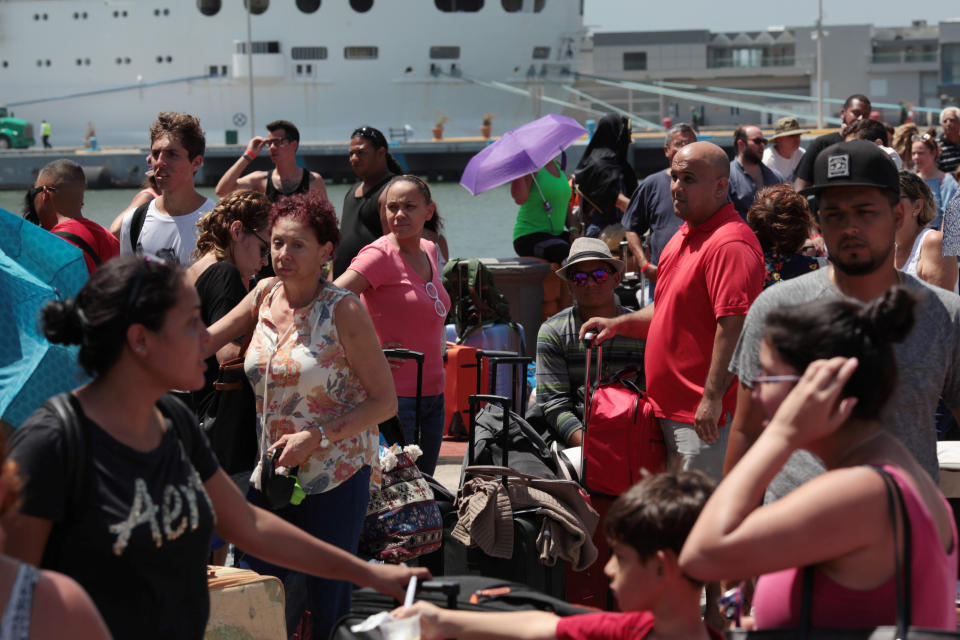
{"type": "Point", "coordinates": [868, 129]}
{"type": "Point", "coordinates": [123, 291]}
{"type": "Point", "coordinates": [854, 98]}
{"type": "Point", "coordinates": [29, 210]}
{"type": "Point", "coordinates": [658, 512]}
{"type": "Point", "coordinates": [290, 132]}
{"type": "Point", "coordinates": [849, 328]}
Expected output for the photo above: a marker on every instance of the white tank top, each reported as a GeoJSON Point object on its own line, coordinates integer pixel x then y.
{"type": "Point", "coordinates": [913, 260]}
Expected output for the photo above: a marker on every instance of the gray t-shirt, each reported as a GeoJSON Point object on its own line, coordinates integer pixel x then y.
{"type": "Point", "coordinates": [927, 363]}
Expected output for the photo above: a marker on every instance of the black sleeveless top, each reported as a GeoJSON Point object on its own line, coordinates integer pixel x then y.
{"type": "Point", "coordinates": [274, 194]}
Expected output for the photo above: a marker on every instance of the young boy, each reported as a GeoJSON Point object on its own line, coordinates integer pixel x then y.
{"type": "Point", "coordinates": [647, 527]}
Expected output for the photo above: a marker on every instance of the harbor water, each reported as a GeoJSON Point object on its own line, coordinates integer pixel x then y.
{"type": "Point", "coordinates": [475, 226]}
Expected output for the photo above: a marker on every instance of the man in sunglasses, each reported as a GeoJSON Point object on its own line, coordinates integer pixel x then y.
{"type": "Point", "coordinates": [593, 274]}
{"type": "Point", "coordinates": [709, 273]}
{"type": "Point", "coordinates": [57, 199]}
{"type": "Point", "coordinates": [285, 179]}
{"type": "Point", "coordinates": [748, 174]}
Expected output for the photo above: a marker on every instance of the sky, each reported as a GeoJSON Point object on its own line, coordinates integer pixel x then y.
{"type": "Point", "coordinates": [756, 15]}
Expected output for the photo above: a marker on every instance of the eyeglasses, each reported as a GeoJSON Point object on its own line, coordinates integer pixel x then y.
{"type": "Point", "coordinates": [580, 278]}
{"type": "Point", "coordinates": [371, 134]}
{"type": "Point", "coordinates": [438, 306]}
{"type": "Point", "coordinates": [265, 249]}
{"type": "Point", "coordinates": [275, 142]}
{"type": "Point", "coordinates": [918, 136]}
{"type": "Point", "coordinates": [759, 140]}
{"type": "Point", "coordinates": [35, 191]}
{"type": "Point", "coordinates": [783, 378]}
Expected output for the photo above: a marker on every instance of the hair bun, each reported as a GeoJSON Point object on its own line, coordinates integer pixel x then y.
{"type": "Point", "coordinates": [61, 322]}
{"type": "Point", "coordinates": [890, 317]}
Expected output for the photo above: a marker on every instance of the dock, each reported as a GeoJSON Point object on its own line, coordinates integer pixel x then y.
{"type": "Point", "coordinates": [436, 160]}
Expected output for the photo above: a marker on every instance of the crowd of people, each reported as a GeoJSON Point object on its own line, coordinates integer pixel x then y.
{"type": "Point", "coordinates": [803, 337]}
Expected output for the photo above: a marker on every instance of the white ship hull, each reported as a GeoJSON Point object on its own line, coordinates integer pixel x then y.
{"type": "Point", "coordinates": [118, 63]}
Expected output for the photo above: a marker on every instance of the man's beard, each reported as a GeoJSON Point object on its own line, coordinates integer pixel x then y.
{"type": "Point", "coordinates": [863, 268]}
{"type": "Point", "coordinates": [749, 155]}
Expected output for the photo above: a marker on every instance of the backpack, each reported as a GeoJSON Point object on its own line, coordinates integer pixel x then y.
{"type": "Point", "coordinates": [622, 437]}
{"type": "Point", "coordinates": [474, 298]}
{"type": "Point", "coordinates": [136, 224]}
{"type": "Point", "coordinates": [76, 442]}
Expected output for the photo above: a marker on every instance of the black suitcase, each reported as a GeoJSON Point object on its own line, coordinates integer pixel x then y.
{"type": "Point", "coordinates": [523, 566]}
{"type": "Point", "coordinates": [469, 593]}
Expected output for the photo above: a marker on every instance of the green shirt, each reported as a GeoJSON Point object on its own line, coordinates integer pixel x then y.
{"type": "Point", "coordinates": [533, 217]}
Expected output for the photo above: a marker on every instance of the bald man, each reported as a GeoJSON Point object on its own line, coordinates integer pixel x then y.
{"type": "Point", "coordinates": [710, 272]}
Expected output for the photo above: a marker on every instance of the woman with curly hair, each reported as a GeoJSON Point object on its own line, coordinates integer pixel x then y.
{"type": "Point", "coordinates": [783, 224]}
{"type": "Point", "coordinates": [902, 142]}
{"type": "Point", "coordinates": [322, 386]}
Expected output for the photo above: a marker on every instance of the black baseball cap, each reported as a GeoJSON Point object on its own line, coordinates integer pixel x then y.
{"type": "Point", "coordinates": [857, 163]}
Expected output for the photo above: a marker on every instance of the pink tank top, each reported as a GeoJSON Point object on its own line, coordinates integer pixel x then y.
{"type": "Point", "coordinates": [777, 601]}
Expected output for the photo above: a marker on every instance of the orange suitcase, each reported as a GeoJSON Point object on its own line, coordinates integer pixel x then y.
{"type": "Point", "coordinates": [462, 381]}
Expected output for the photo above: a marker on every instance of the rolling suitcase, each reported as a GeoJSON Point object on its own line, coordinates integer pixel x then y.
{"type": "Point", "coordinates": [245, 604]}
{"type": "Point", "coordinates": [523, 566]}
{"type": "Point", "coordinates": [468, 593]}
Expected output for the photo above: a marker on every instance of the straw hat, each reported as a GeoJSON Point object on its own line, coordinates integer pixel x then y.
{"type": "Point", "coordinates": [787, 127]}
{"type": "Point", "coordinates": [586, 249]}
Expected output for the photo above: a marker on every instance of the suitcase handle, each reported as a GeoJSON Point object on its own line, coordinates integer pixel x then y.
{"type": "Point", "coordinates": [408, 354]}
{"type": "Point", "coordinates": [448, 588]}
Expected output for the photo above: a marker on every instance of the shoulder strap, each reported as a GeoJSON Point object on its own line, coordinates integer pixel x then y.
{"type": "Point", "coordinates": [81, 243]}
{"type": "Point", "coordinates": [76, 448]}
{"type": "Point", "coordinates": [136, 224]}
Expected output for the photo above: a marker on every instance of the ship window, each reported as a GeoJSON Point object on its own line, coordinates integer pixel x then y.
{"type": "Point", "coordinates": [360, 53]}
{"type": "Point", "coordinates": [538, 5]}
{"type": "Point", "coordinates": [5, 64]}
{"type": "Point", "coordinates": [308, 53]}
{"type": "Point", "coordinates": [452, 6]}
{"type": "Point", "coordinates": [126, 61]}
{"type": "Point", "coordinates": [361, 6]}
{"type": "Point", "coordinates": [79, 62]}
{"type": "Point", "coordinates": [261, 46]}
{"type": "Point", "coordinates": [512, 6]}
{"type": "Point", "coordinates": [169, 59]}
{"type": "Point", "coordinates": [166, 12]}
{"type": "Point", "coordinates": [213, 70]}
{"type": "Point", "coordinates": [209, 7]}
{"type": "Point", "coordinates": [223, 70]}
{"type": "Point", "coordinates": [308, 6]}
{"type": "Point", "coordinates": [635, 61]}
{"type": "Point", "coordinates": [256, 6]}
{"type": "Point", "coordinates": [444, 53]}
{"type": "Point", "coordinates": [541, 53]}
{"type": "Point", "coordinates": [156, 12]}
{"type": "Point", "coordinates": [47, 62]}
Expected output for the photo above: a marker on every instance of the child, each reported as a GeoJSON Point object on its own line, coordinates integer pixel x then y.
{"type": "Point", "coordinates": [646, 527]}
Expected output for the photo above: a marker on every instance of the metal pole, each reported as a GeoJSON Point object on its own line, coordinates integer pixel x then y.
{"type": "Point", "coordinates": [820, 64]}
{"type": "Point", "coordinates": [253, 131]}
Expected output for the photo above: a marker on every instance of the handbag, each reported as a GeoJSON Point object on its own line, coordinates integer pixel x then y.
{"type": "Point", "coordinates": [403, 520]}
{"type": "Point", "coordinates": [228, 416]}
{"type": "Point", "coordinates": [901, 630]}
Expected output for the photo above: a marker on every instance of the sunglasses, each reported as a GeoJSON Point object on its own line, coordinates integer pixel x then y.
{"type": "Point", "coordinates": [759, 140]}
{"type": "Point", "coordinates": [783, 378]}
{"type": "Point", "coordinates": [580, 278]}
{"type": "Point", "coordinates": [275, 142]}
{"type": "Point", "coordinates": [917, 136]}
{"type": "Point", "coordinates": [438, 306]}
{"type": "Point", "coordinates": [371, 134]}
{"type": "Point", "coordinates": [35, 191]}
{"type": "Point", "coordinates": [265, 249]}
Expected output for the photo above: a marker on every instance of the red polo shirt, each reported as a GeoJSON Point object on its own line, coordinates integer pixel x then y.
{"type": "Point", "coordinates": [705, 272]}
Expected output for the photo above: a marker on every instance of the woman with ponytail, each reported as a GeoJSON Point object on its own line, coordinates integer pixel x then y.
{"type": "Point", "coordinates": [827, 369]}
{"type": "Point", "coordinates": [131, 516]}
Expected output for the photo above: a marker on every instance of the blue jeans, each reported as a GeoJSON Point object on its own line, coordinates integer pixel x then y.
{"type": "Point", "coordinates": [431, 427]}
{"type": "Point", "coordinates": [336, 517]}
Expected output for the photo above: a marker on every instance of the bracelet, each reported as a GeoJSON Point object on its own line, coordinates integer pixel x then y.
{"type": "Point", "coordinates": [249, 155]}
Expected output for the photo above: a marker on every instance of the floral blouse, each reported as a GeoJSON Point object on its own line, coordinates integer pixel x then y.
{"type": "Point", "coordinates": [301, 379]}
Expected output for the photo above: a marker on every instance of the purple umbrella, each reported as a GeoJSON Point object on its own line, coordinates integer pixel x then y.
{"type": "Point", "coordinates": [520, 151]}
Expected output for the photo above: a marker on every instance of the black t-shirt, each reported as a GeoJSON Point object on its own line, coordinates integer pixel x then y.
{"type": "Point", "coordinates": [141, 543]}
{"type": "Point", "coordinates": [805, 168]}
{"type": "Point", "coordinates": [220, 288]}
{"type": "Point", "coordinates": [359, 226]}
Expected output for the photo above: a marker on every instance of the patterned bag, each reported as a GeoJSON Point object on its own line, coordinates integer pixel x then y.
{"type": "Point", "coordinates": [403, 520]}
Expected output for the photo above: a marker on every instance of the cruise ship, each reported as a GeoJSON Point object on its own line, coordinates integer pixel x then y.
{"type": "Point", "coordinates": [326, 65]}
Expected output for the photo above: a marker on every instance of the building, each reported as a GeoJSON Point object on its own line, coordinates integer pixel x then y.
{"type": "Point", "coordinates": [916, 64]}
